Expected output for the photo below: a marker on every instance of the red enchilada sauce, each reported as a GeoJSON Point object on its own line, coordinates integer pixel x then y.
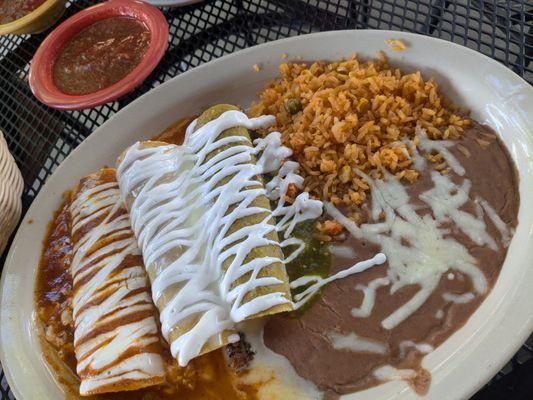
{"type": "Point", "coordinates": [101, 55]}
{"type": "Point", "coordinates": [10, 10]}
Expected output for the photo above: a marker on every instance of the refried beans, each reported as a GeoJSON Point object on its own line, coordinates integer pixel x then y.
{"type": "Point", "coordinates": [304, 340]}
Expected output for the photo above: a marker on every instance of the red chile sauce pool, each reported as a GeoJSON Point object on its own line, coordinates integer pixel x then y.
{"type": "Point", "coordinates": [11, 10]}
{"type": "Point", "coordinates": [100, 55]}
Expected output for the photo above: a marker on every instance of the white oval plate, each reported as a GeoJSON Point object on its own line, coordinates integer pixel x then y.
{"type": "Point", "coordinates": [459, 367]}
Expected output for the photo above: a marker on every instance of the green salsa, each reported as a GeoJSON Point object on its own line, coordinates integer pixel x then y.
{"type": "Point", "coordinates": [315, 259]}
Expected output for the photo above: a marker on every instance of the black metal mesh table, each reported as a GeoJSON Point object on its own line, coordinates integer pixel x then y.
{"type": "Point", "coordinates": [40, 137]}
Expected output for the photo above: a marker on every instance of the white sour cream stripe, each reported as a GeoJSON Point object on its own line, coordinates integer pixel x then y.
{"type": "Point", "coordinates": [111, 296]}
{"type": "Point", "coordinates": [182, 212]}
{"type": "Point", "coordinates": [316, 282]}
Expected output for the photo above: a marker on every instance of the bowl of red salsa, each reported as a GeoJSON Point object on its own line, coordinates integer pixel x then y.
{"type": "Point", "coordinates": [11, 10]}
{"type": "Point", "coordinates": [98, 55]}
{"type": "Point", "coordinates": [29, 16]}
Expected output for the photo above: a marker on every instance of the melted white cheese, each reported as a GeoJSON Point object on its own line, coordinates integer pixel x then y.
{"type": "Point", "coordinates": [389, 373]}
{"type": "Point", "coordinates": [419, 250]}
{"type": "Point", "coordinates": [419, 162]}
{"type": "Point", "coordinates": [459, 298]}
{"type": "Point", "coordinates": [423, 348]}
{"type": "Point", "coordinates": [356, 343]}
{"type": "Point", "coordinates": [446, 199]}
{"type": "Point", "coordinates": [343, 251]}
{"type": "Point", "coordinates": [369, 297]}
{"type": "Point", "coordinates": [440, 146]}
{"type": "Point", "coordinates": [277, 378]}
{"type": "Point", "coordinates": [502, 227]}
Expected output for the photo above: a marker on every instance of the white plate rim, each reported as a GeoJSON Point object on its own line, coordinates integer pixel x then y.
{"type": "Point", "coordinates": [477, 378]}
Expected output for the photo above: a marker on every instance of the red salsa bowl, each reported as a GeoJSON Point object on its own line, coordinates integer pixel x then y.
{"type": "Point", "coordinates": [60, 45]}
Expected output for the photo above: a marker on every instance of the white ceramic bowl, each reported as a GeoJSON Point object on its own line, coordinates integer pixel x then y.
{"type": "Point", "coordinates": [460, 366]}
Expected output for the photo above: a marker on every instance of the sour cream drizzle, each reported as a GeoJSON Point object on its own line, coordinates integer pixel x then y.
{"type": "Point", "coordinates": [115, 353]}
{"type": "Point", "coordinates": [316, 282]}
{"type": "Point", "coordinates": [182, 213]}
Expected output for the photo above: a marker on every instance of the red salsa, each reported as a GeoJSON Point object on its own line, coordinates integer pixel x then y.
{"type": "Point", "coordinates": [101, 55]}
{"type": "Point", "coordinates": [11, 10]}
